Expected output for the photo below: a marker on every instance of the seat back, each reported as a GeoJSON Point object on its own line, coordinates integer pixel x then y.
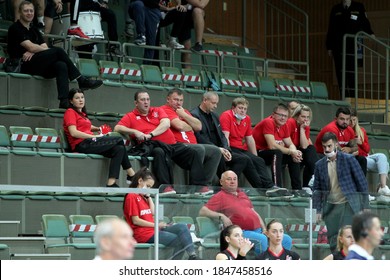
{"type": "Point", "coordinates": [55, 226]}
{"type": "Point", "coordinates": [51, 141]}
{"type": "Point", "coordinates": [151, 74]}
{"type": "Point", "coordinates": [22, 130]}
{"type": "Point", "coordinates": [303, 90]}
{"type": "Point", "coordinates": [133, 74]}
{"type": "Point", "coordinates": [284, 87]}
{"type": "Point", "coordinates": [267, 86]}
{"type": "Point", "coordinates": [249, 83]}
{"type": "Point", "coordinates": [4, 138]}
{"type": "Point", "coordinates": [82, 220]}
{"type": "Point", "coordinates": [88, 67]}
{"type": "Point", "coordinates": [192, 78]}
{"type": "Point", "coordinates": [171, 76]}
{"type": "Point", "coordinates": [110, 70]}
{"type": "Point", "coordinates": [230, 82]}
{"type": "Point", "coordinates": [319, 90]}
{"type": "Point", "coordinates": [207, 228]}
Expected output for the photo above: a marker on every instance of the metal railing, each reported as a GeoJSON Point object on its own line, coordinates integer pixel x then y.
{"type": "Point", "coordinates": [370, 73]}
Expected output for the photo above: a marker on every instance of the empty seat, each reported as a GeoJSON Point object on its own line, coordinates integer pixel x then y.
{"type": "Point", "coordinates": [88, 67]}
{"type": "Point", "coordinates": [192, 80]}
{"type": "Point", "coordinates": [132, 75]}
{"type": "Point", "coordinates": [284, 87]}
{"type": "Point", "coordinates": [22, 141]}
{"type": "Point", "coordinates": [86, 233]}
{"type": "Point", "coordinates": [152, 77]}
{"type": "Point", "coordinates": [171, 76]}
{"type": "Point", "coordinates": [249, 83]}
{"type": "Point", "coordinates": [267, 86]}
{"type": "Point", "coordinates": [303, 89]}
{"type": "Point", "coordinates": [209, 232]}
{"type": "Point", "coordinates": [110, 72]}
{"type": "Point", "coordinates": [50, 141]}
{"type": "Point", "coordinates": [319, 90]}
{"type": "Point", "coordinates": [230, 82]}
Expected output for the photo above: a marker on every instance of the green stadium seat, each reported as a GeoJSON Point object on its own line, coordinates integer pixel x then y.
{"type": "Point", "coordinates": [44, 148]}
{"type": "Point", "coordinates": [249, 84]}
{"type": "Point", "coordinates": [110, 73]}
{"type": "Point", "coordinates": [171, 76]}
{"type": "Point", "coordinates": [88, 68]}
{"type": "Point", "coordinates": [304, 93]}
{"type": "Point", "coordinates": [77, 236]}
{"type": "Point", "coordinates": [267, 86]}
{"type": "Point", "coordinates": [22, 147]}
{"type": "Point", "coordinates": [230, 82]}
{"type": "Point", "coordinates": [101, 218]}
{"type": "Point", "coordinates": [192, 80]}
{"type": "Point", "coordinates": [319, 90]}
{"type": "Point", "coordinates": [133, 76]}
{"type": "Point", "coordinates": [284, 88]}
{"type": "Point", "coordinates": [209, 232]}
{"type": "Point", "coordinates": [152, 77]}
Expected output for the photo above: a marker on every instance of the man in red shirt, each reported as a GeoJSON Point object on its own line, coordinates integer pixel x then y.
{"type": "Point", "coordinates": [345, 135]}
{"type": "Point", "coordinates": [146, 123]}
{"type": "Point", "coordinates": [274, 145]}
{"type": "Point", "coordinates": [237, 127]}
{"type": "Point", "coordinates": [233, 207]}
{"type": "Point", "coordinates": [299, 126]}
{"type": "Point", "coordinates": [183, 126]}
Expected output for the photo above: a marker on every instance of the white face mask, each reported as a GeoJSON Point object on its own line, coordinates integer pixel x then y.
{"type": "Point", "coordinates": [145, 187]}
{"type": "Point", "coordinates": [330, 154]}
{"type": "Point", "coordinates": [239, 117]}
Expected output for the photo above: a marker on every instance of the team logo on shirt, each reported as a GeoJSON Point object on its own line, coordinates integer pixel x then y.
{"type": "Point", "coordinates": [137, 117]}
{"type": "Point", "coordinates": [145, 212]}
{"type": "Point", "coordinates": [155, 114]}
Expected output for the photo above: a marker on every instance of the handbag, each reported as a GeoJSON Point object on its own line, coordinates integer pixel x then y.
{"type": "Point", "coordinates": [13, 65]}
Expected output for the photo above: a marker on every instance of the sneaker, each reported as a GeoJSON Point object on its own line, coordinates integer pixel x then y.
{"type": "Point", "coordinates": [173, 44]}
{"type": "Point", "coordinates": [384, 191]}
{"type": "Point", "coordinates": [308, 190]}
{"type": "Point", "coordinates": [140, 40]}
{"type": "Point", "coordinates": [168, 190]}
{"type": "Point", "coordinates": [197, 47]}
{"type": "Point", "coordinates": [129, 29]}
{"type": "Point", "coordinates": [112, 186]}
{"type": "Point", "coordinates": [371, 198]}
{"type": "Point", "coordinates": [301, 193]}
{"type": "Point", "coordinates": [278, 192]}
{"type": "Point", "coordinates": [204, 191]}
{"type": "Point", "coordinates": [87, 83]}
{"type": "Point", "coordinates": [77, 32]}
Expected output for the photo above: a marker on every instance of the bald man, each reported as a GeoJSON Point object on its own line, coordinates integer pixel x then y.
{"type": "Point", "coordinates": [114, 240]}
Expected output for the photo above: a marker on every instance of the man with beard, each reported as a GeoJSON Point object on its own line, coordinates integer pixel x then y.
{"type": "Point", "coordinates": [345, 136]}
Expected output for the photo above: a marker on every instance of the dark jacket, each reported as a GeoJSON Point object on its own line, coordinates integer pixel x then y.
{"type": "Point", "coordinates": [204, 136]}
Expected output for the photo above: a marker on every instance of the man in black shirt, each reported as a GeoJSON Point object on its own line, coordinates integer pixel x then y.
{"type": "Point", "coordinates": [211, 133]}
{"type": "Point", "coordinates": [25, 42]}
{"type": "Point", "coordinates": [347, 17]}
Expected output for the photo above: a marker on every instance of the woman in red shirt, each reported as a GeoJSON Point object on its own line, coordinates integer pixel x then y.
{"type": "Point", "coordinates": [138, 210]}
{"type": "Point", "coordinates": [80, 134]}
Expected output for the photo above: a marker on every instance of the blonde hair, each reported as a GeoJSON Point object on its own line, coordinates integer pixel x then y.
{"type": "Point", "coordinates": [358, 131]}
{"type": "Point", "coordinates": [299, 109]}
{"type": "Point", "coordinates": [341, 232]}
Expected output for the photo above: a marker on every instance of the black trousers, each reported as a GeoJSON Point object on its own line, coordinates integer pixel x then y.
{"type": "Point", "coordinates": [107, 15]}
{"type": "Point", "coordinates": [110, 147]}
{"type": "Point", "coordinates": [310, 157]}
{"type": "Point", "coordinates": [255, 170]}
{"type": "Point", "coordinates": [276, 159]}
{"type": "Point", "coordinates": [51, 63]}
{"type": "Point", "coordinates": [184, 156]}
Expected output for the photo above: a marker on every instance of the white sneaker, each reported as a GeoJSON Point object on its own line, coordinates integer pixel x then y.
{"type": "Point", "coordinates": [384, 191]}
{"type": "Point", "coordinates": [311, 182]}
{"type": "Point", "coordinates": [371, 198]}
{"type": "Point", "coordinates": [172, 43]}
{"type": "Point", "coordinates": [308, 190]}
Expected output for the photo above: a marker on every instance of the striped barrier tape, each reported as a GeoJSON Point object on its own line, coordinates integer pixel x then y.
{"type": "Point", "coordinates": [293, 88]}
{"type": "Point", "coordinates": [219, 53]}
{"type": "Point", "coordinates": [300, 227]}
{"type": "Point", "coordinates": [120, 71]}
{"type": "Point", "coordinates": [239, 83]}
{"type": "Point", "coordinates": [2, 60]}
{"type": "Point", "coordinates": [82, 228]}
{"type": "Point", "coordinates": [35, 138]}
{"type": "Point", "coordinates": [184, 78]}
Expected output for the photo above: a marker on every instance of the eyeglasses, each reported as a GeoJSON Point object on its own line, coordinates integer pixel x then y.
{"type": "Point", "coordinates": [281, 115]}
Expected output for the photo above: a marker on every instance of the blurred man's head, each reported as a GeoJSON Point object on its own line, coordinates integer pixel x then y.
{"type": "Point", "coordinates": [367, 230]}
{"type": "Point", "coordinates": [142, 102]}
{"type": "Point", "coordinates": [209, 101]}
{"type": "Point", "coordinates": [175, 98]}
{"type": "Point", "coordinates": [343, 117]}
{"type": "Point", "coordinates": [114, 240]}
{"type": "Point", "coordinates": [229, 181]}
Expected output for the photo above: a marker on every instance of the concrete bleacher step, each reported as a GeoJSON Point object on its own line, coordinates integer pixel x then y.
{"type": "Point", "coordinates": [40, 256]}
{"type": "Point", "coordinates": [9, 228]}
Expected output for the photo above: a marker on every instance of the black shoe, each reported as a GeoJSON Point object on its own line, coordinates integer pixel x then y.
{"type": "Point", "coordinates": [114, 51]}
{"type": "Point", "coordinates": [197, 47]}
{"type": "Point", "coordinates": [112, 186]}
{"type": "Point", "coordinates": [129, 179]}
{"type": "Point", "coordinates": [278, 192]}
{"type": "Point", "coordinates": [87, 83]}
{"type": "Point", "coordinates": [64, 104]}
{"type": "Point", "coordinates": [193, 257]}
{"type": "Point", "coordinates": [301, 193]}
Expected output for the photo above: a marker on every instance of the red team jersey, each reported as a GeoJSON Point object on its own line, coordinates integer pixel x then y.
{"type": "Point", "coordinates": [295, 132]}
{"type": "Point", "coordinates": [343, 135]}
{"type": "Point", "coordinates": [82, 123]}
{"type": "Point", "coordinates": [147, 124]}
{"type": "Point", "coordinates": [180, 136]}
{"type": "Point", "coordinates": [268, 126]}
{"type": "Point", "coordinates": [136, 205]}
{"type": "Point", "coordinates": [238, 131]}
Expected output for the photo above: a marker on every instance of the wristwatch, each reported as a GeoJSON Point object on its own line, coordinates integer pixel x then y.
{"type": "Point", "coordinates": [151, 134]}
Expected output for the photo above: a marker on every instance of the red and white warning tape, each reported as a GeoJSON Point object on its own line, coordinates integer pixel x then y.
{"type": "Point", "coordinates": [298, 227]}
{"type": "Point", "coordinates": [120, 71]}
{"type": "Point", "coordinates": [293, 88]}
{"type": "Point", "coordinates": [239, 83]}
{"type": "Point", "coordinates": [82, 228]}
{"type": "Point", "coordinates": [2, 60]}
{"type": "Point", "coordinates": [35, 138]}
{"type": "Point", "coordinates": [185, 78]}
{"type": "Point", "coordinates": [219, 53]}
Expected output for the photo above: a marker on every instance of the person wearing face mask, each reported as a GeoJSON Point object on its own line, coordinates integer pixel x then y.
{"type": "Point", "coordinates": [340, 188]}
{"type": "Point", "coordinates": [237, 127]}
{"type": "Point", "coordinates": [138, 210]}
